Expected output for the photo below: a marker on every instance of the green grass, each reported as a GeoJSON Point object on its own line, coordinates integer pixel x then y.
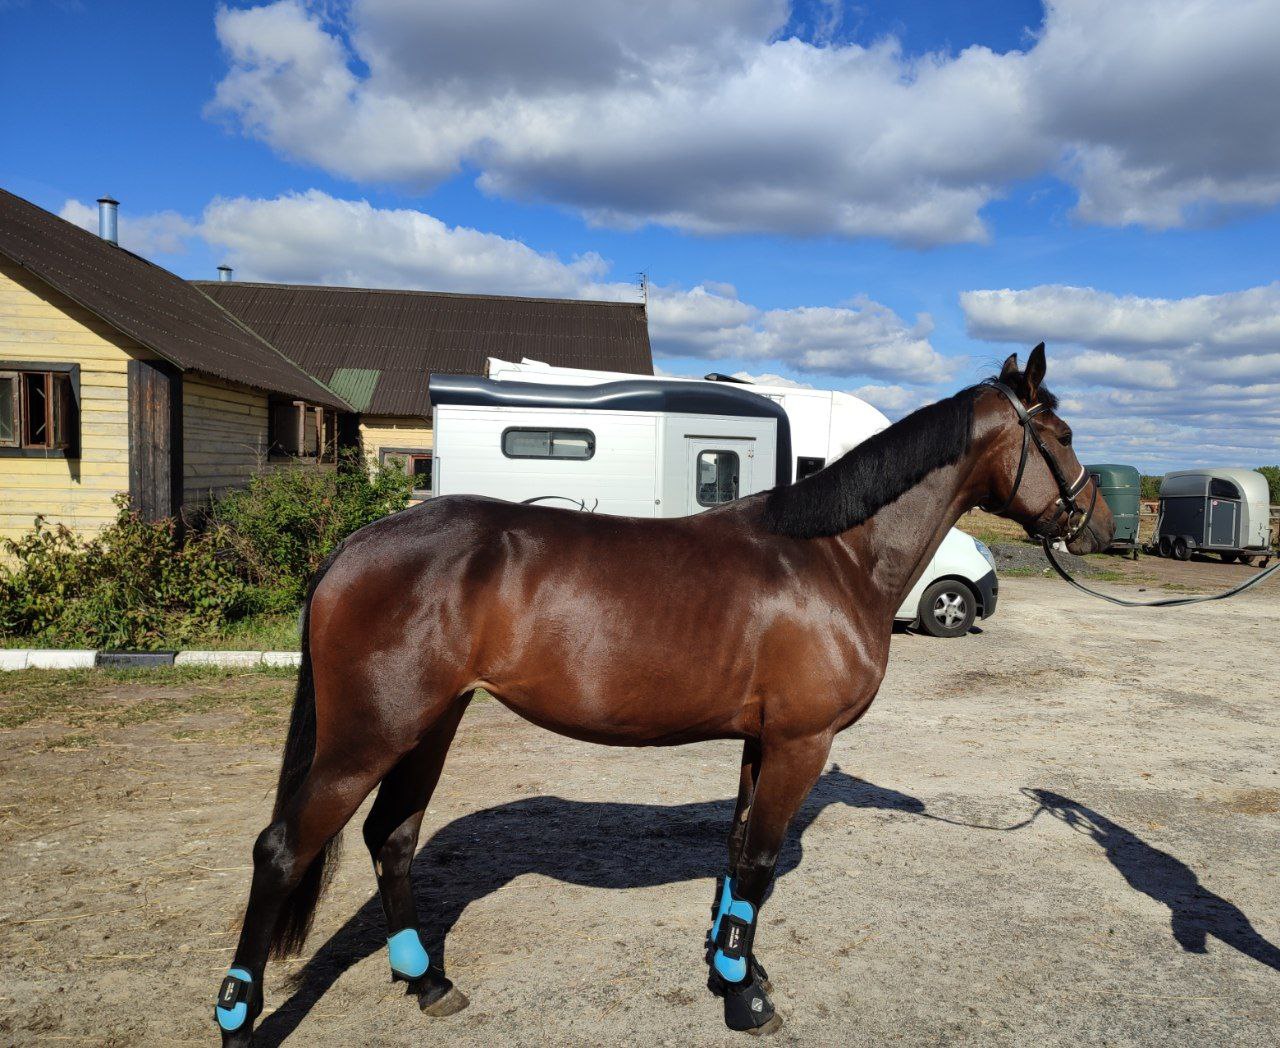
{"type": "Point", "coordinates": [256, 633]}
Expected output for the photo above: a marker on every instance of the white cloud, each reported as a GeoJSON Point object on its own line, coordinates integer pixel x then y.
{"type": "Point", "coordinates": [704, 118]}
{"type": "Point", "coordinates": [159, 233]}
{"type": "Point", "coordinates": [1162, 381]}
{"type": "Point", "coordinates": [316, 238]}
{"type": "Point", "coordinates": [1238, 331]}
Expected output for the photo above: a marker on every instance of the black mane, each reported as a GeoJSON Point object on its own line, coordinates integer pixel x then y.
{"type": "Point", "coordinates": [879, 470]}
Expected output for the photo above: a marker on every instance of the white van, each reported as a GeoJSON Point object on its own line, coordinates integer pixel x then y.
{"type": "Point", "coordinates": [639, 446]}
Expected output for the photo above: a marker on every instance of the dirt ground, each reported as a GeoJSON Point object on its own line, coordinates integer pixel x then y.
{"type": "Point", "coordinates": [1062, 830]}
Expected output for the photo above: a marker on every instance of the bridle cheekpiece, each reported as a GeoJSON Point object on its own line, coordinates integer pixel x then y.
{"type": "Point", "coordinates": [1067, 491]}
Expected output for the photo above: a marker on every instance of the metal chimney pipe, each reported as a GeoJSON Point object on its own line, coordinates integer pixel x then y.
{"type": "Point", "coordinates": [107, 219]}
{"type": "Point", "coordinates": [224, 273]}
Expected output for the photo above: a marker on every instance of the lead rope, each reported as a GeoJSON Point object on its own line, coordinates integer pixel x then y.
{"type": "Point", "coordinates": [1166, 602]}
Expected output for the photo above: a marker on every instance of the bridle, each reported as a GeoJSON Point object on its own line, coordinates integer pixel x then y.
{"type": "Point", "coordinates": [1067, 491]}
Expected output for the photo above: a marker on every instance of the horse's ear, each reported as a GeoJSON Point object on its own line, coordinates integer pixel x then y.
{"type": "Point", "coordinates": [1035, 369]}
{"type": "Point", "coordinates": [1010, 368]}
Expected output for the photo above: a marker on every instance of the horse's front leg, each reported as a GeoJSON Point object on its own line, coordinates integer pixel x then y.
{"type": "Point", "coordinates": [787, 771]}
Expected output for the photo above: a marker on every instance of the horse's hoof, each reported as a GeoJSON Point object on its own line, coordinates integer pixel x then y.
{"type": "Point", "coordinates": [772, 1026]}
{"type": "Point", "coordinates": [453, 1001]}
{"type": "Point", "coordinates": [437, 996]}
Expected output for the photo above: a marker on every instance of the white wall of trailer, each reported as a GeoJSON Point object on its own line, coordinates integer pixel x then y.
{"type": "Point", "coordinates": [644, 463]}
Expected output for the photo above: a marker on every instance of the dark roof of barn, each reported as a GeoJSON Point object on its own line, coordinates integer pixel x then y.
{"type": "Point", "coordinates": [156, 308]}
{"type": "Point", "coordinates": [376, 348]}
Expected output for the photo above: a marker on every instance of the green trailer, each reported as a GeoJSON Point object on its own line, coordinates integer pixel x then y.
{"type": "Point", "coordinates": [1121, 486]}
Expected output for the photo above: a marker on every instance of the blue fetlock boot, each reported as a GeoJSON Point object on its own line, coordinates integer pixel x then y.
{"type": "Point", "coordinates": [411, 964]}
{"type": "Point", "coordinates": [239, 1003]}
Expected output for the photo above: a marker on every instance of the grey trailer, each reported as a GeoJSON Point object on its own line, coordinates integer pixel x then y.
{"type": "Point", "coordinates": [1222, 511]}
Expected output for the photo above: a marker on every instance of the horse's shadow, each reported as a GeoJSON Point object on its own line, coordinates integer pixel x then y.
{"type": "Point", "coordinates": [574, 841]}
{"type": "Point", "coordinates": [579, 842]}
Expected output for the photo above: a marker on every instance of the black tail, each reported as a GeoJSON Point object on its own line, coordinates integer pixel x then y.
{"type": "Point", "coordinates": [299, 750]}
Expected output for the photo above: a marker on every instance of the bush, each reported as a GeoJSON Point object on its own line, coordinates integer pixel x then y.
{"type": "Point", "coordinates": [138, 583]}
{"type": "Point", "coordinates": [281, 527]}
{"type": "Point", "coordinates": [131, 585]}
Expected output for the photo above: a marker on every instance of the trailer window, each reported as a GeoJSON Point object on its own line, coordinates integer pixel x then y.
{"type": "Point", "coordinates": [807, 466]}
{"type": "Point", "coordinates": [1222, 489]}
{"type": "Point", "coordinates": [548, 443]}
{"type": "Point", "coordinates": [717, 477]}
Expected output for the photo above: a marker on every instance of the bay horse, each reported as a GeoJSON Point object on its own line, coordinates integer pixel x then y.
{"type": "Point", "coordinates": [767, 619]}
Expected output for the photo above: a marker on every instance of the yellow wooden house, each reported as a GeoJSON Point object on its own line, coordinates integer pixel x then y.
{"type": "Point", "coordinates": [119, 376]}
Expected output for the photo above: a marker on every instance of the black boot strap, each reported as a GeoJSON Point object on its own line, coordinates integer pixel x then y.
{"type": "Point", "coordinates": [234, 990]}
{"type": "Point", "coordinates": [735, 937]}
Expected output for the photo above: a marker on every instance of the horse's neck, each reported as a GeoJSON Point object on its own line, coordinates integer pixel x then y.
{"type": "Point", "coordinates": [902, 537]}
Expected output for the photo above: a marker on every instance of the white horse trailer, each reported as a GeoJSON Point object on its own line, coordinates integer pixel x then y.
{"type": "Point", "coordinates": [640, 446]}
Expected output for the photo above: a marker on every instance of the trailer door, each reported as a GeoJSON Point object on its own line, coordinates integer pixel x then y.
{"type": "Point", "coordinates": [717, 470]}
{"type": "Point", "coordinates": [1222, 523]}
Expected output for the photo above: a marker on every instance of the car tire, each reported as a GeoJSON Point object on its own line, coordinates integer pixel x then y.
{"type": "Point", "coordinates": [1165, 546]}
{"type": "Point", "coordinates": [947, 609]}
{"type": "Point", "coordinates": [1181, 548]}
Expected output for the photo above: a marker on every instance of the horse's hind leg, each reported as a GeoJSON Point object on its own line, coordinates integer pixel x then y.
{"type": "Point", "coordinates": [787, 773]}
{"type": "Point", "coordinates": [391, 834]}
{"type": "Point", "coordinates": [283, 856]}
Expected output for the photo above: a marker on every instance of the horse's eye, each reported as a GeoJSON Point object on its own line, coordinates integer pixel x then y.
{"type": "Point", "coordinates": [1066, 440]}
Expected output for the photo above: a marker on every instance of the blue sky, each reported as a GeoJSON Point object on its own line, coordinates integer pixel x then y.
{"type": "Point", "coordinates": [881, 197]}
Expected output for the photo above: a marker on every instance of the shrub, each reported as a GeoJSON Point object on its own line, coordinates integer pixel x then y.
{"type": "Point", "coordinates": [281, 527]}
{"type": "Point", "coordinates": [131, 585]}
{"type": "Point", "coordinates": [139, 583]}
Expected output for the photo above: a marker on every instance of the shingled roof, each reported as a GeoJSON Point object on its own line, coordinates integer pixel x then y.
{"type": "Point", "coordinates": [376, 348]}
{"type": "Point", "coordinates": [156, 308]}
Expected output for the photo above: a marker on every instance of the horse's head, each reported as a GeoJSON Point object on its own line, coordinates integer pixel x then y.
{"type": "Point", "coordinates": [1035, 477]}
{"type": "Point", "coordinates": [837, 786]}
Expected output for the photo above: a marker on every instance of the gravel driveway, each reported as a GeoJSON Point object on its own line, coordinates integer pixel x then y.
{"type": "Point", "coordinates": [1059, 831]}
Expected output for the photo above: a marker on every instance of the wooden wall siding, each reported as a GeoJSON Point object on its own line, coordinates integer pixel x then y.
{"type": "Point", "coordinates": [224, 436]}
{"type": "Point", "coordinates": [155, 439]}
{"type": "Point", "coordinates": [386, 431]}
{"type": "Point", "coordinates": [39, 324]}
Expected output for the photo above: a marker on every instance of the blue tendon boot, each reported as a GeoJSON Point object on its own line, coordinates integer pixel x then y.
{"type": "Point", "coordinates": [411, 964]}
{"type": "Point", "coordinates": [239, 1003]}
{"type": "Point", "coordinates": [735, 976]}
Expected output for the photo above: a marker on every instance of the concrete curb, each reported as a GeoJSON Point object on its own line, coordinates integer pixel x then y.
{"type": "Point", "coordinates": [84, 658]}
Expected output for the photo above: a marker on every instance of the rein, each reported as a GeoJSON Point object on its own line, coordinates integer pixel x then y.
{"type": "Point", "coordinates": [1067, 493]}
{"type": "Point", "coordinates": [1165, 602]}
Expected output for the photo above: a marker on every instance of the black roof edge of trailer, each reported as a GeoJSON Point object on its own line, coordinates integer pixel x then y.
{"type": "Point", "coordinates": [640, 394]}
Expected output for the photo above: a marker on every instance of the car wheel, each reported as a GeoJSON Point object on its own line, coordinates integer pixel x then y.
{"type": "Point", "coordinates": [1231, 558]}
{"type": "Point", "coordinates": [1165, 547]}
{"type": "Point", "coordinates": [947, 609]}
{"type": "Point", "coordinates": [1181, 550]}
